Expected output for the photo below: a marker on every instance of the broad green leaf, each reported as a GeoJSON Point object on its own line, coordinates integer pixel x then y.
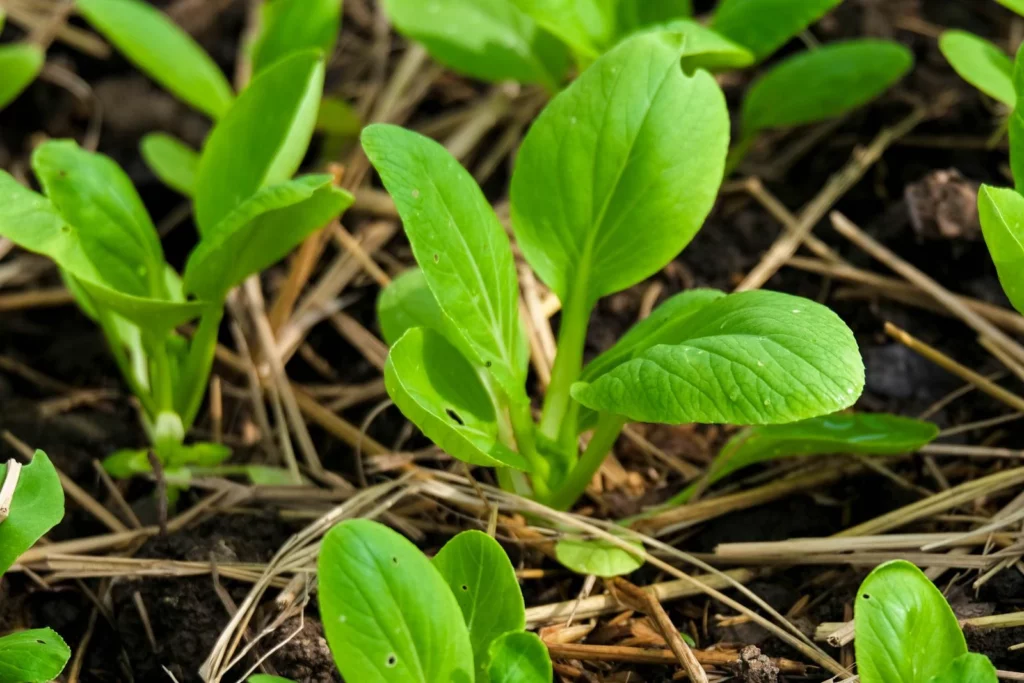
{"type": "Point", "coordinates": [482, 578]}
{"type": "Point", "coordinates": [597, 557]}
{"type": "Point", "coordinates": [172, 161]}
{"type": "Point", "coordinates": [97, 199]}
{"type": "Point", "coordinates": [337, 117]}
{"type": "Point", "coordinates": [161, 49]}
{"type": "Point", "coordinates": [1013, 5]}
{"type": "Point", "coordinates": [766, 25]}
{"type": "Point", "coordinates": [37, 507]}
{"type": "Point", "coordinates": [981, 64]}
{"type": "Point", "coordinates": [755, 357]}
{"type": "Point", "coordinates": [442, 394]}
{"type": "Point", "coordinates": [861, 433]}
{"type": "Point", "coordinates": [35, 656]}
{"type": "Point", "coordinates": [665, 323]}
{"type": "Point", "coordinates": [587, 26]}
{"type": "Point", "coordinates": [20, 63]}
{"type": "Point", "coordinates": [905, 630]}
{"type": "Point", "coordinates": [155, 316]}
{"type": "Point", "coordinates": [519, 657]}
{"type": "Point", "coordinates": [262, 139]}
{"type": "Point", "coordinates": [388, 614]}
{"type": "Point", "coordinates": [260, 232]}
{"type": "Point", "coordinates": [288, 26]}
{"type": "Point", "coordinates": [1002, 222]}
{"type": "Point", "coordinates": [620, 170]}
{"type": "Point", "coordinates": [968, 668]}
{"type": "Point", "coordinates": [705, 49]}
{"type": "Point", "coordinates": [823, 83]}
{"type": "Point", "coordinates": [487, 39]}
{"type": "Point", "coordinates": [407, 303]}
{"type": "Point", "coordinates": [459, 244]}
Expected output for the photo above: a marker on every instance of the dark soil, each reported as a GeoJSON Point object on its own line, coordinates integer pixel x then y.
{"type": "Point", "coordinates": [918, 201]}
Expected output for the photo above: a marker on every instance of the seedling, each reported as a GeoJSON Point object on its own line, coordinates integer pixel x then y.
{"type": "Point", "coordinates": [31, 503]}
{"type": "Point", "coordinates": [249, 213]}
{"type": "Point", "coordinates": [596, 208]}
{"type": "Point", "coordinates": [906, 632]}
{"type": "Point", "coordinates": [20, 63]}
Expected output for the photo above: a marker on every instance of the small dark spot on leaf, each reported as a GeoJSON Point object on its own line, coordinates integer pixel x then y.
{"type": "Point", "coordinates": [465, 587]}
{"type": "Point", "coordinates": [454, 416]}
{"type": "Point", "coordinates": [436, 258]}
{"type": "Point", "coordinates": [488, 364]}
{"type": "Point", "coordinates": [392, 660]}
{"type": "Point", "coordinates": [394, 560]}
{"type": "Point", "coordinates": [62, 173]}
{"type": "Point", "coordinates": [866, 596]}
{"type": "Point", "coordinates": [41, 642]}
{"type": "Point", "coordinates": [65, 228]}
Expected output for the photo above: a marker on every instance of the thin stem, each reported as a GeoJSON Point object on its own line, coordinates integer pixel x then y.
{"type": "Point", "coordinates": [163, 384]}
{"type": "Point", "coordinates": [198, 366]}
{"type": "Point", "coordinates": [557, 420]}
{"type": "Point", "coordinates": [608, 429]}
{"type": "Point", "coordinates": [522, 426]}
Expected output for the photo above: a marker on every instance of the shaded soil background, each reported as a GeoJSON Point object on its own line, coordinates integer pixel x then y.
{"type": "Point", "coordinates": [918, 201]}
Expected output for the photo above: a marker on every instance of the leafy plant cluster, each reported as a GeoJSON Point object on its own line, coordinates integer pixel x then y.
{"type": "Point", "coordinates": [249, 212]}
{"type": "Point", "coordinates": [612, 181]}
{"type": "Point", "coordinates": [905, 632]}
{"type": "Point", "coordinates": [537, 41]}
{"type": "Point", "coordinates": [36, 506]}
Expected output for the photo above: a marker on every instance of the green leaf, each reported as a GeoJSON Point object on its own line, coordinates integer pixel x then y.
{"type": "Point", "coordinates": [597, 557]}
{"type": "Point", "coordinates": [823, 83]}
{"type": "Point", "coordinates": [755, 357]}
{"type": "Point", "coordinates": [766, 25]}
{"type": "Point", "coordinates": [160, 48]}
{"type": "Point", "coordinates": [98, 201]}
{"type": "Point", "coordinates": [155, 316]}
{"type": "Point", "coordinates": [459, 244]}
{"type": "Point", "coordinates": [407, 303]}
{"type": "Point", "coordinates": [980, 63]}
{"type": "Point", "coordinates": [1002, 222]}
{"type": "Point", "coordinates": [619, 171]}
{"type": "Point", "coordinates": [172, 161]}
{"type": "Point", "coordinates": [127, 462]}
{"type": "Point", "coordinates": [862, 433]}
{"type": "Point", "coordinates": [260, 232]}
{"type": "Point", "coordinates": [487, 39]}
{"type": "Point", "coordinates": [442, 394]}
{"type": "Point", "coordinates": [483, 581]}
{"type": "Point", "coordinates": [289, 26]}
{"type": "Point", "coordinates": [264, 678]}
{"type": "Point", "coordinates": [519, 657]}
{"type": "Point", "coordinates": [388, 615]}
{"type": "Point", "coordinates": [20, 64]}
{"type": "Point", "coordinates": [587, 26]}
{"type": "Point", "coordinates": [262, 139]}
{"type": "Point", "coordinates": [337, 117]}
{"type": "Point", "coordinates": [203, 454]}
{"type": "Point", "coordinates": [35, 656]}
{"type": "Point", "coordinates": [262, 475]}
{"type": "Point", "coordinates": [968, 668]}
{"type": "Point", "coordinates": [905, 630]}
{"type": "Point", "coordinates": [1013, 5]}
{"type": "Point", "coordinates": [706, 49]}
{"type": "Point", "coordinates": [1015, 124]}
{"type": "Point", "coordinates": [633, 15]}
{"type": "Point", "coordinates": [37, 507]}
{"type": "Point", "coordinates": [665, 323]}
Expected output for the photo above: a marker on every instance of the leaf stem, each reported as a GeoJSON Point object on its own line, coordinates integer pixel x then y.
{"type": "Point", "coordinates": [557, 420]}
{"type": "Point", "coordinates": [198, 366]}
{"type": "Point", "coordinates": [523, 426]}
{"type": "Point", "coordinates": [609, 426]}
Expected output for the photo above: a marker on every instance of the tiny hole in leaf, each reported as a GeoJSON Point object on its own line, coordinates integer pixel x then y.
{"type": "Point", "coordinates": [866, 596]}
{"type": "Point", "coordinates": [41, 642]}
{"type": "Point", "coordinates": [436, 258]}
{"type": "Point", "coordinates": [394, 560]}
{"type": "Point", "coordinates": [465, 587]}
{"type": "Point", "coordinates": [487, 364]}
{"type": "Point", "coordinates": [455, 416]}
{"type": "Point", "coordinates": [392, 660]}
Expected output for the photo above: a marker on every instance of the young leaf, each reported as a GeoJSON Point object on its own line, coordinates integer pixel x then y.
{"type": "Point", "coordinates": [482, 579]}
{"type": "Point", "coordinates": [981, 64]}
{"type": "Point", "coordinates": [155, 316]}
{"type": "Point", "coordinates": [171, 160]}
{"type": "Point", "coordinates": [1002, 222]}
{"type": "Point", "coordinates": [764, 26]}
{"type": "Point", "coordinates": [97, 199]}
{"type": "Point", "coordinates": [288, 26]}
{"type": "Point", "coordinates": [160, 48]}
{"type": "Point", "coordinates": [1013, 5]}
{"type": "Point", "coordinates": [706, 49]}
{"type": "Point", "coordinates": [862, 433]}
{"type": "Point", "coordinates": [442, 394]}
{"type": "Point", "coordinates": [587, 26]}
{"type": "Point", "coordinates": [1015, 124]}
{"type": "Point", "coordinates": [968, 668]}
{"type": "Point", "coordinates": [388, 615]}
{"type": "Point", "coordinates": [756, 357]}
{"type": "Point", "coordinates": [261, 231]}
{"type": "Point", "coordinates": [460, 246]}
{"type": "Point", "coordinates": [198, 454]}
{"type": "Point", "coordinates": [597, 557]}
{"type": "Point", "coordinates": [619, 171]}
{"type": "Point", "coordinates": [34, 656]}
{"type": "Point", "coordinates": [337, 117]}
{"type": "Point", "coordinates": [20, 64]}
{"type": "Point", "coordinates": [262, 140]}
{"type": "Point", "coordinates": [664, 323]}
{"type": "Point", "coordinates": [632, 15]}
{"type": "Point", "coordinates": [519, 657]}
{"type": "Point", "coordinates": [37, 507]}
{"type": "Point", "coordinates": [127, 462]}
{"type": "Point", "coordinates": [905, 630]}
{"type": "Point", "coordinates": [823, 83]}
{"type": "Point", "coordinates": [492, 40]}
